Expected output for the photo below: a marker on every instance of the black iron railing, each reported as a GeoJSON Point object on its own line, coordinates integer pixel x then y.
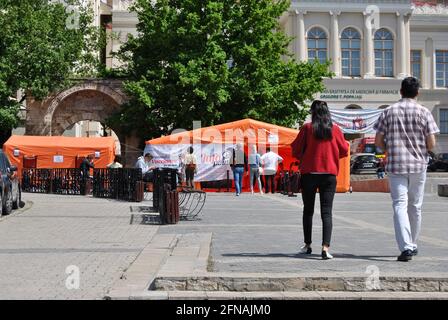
{"type": "Point", "coordinates": [58, 181]}
{"type": "Point", "coordinates": [121, 184]}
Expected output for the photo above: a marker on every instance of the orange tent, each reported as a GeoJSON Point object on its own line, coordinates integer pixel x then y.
{"type": "Point", "coordinates": [59, 152]}
{"type": "Point", "coordinates": [167, 150]}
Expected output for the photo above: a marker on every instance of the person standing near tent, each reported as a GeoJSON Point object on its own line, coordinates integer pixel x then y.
{"type": "Point", "coordinates": [270, 161]}
{"type": "Point", "coordinates": [143, 162]}
{"type": "Point", "coordinates": [238, 164]}
{"type": "Point", "coordinates": [86, 165]}
{"type": "Point", "coordinates": [190, 167]}
{"type": "Point", "coordinates": [255, 168]}
{"type": "Point", "coordinates": [319, 146]}
{"type": "Point", "coordinates": [116, 164]}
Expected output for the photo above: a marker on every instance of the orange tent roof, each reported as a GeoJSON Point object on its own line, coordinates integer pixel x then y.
{"type": "Point", "coordinates": [45, 142]}
{"type": "Point", "coordinates": [45, 148]}
{"type": "Point", "coordinates": [226, 133]}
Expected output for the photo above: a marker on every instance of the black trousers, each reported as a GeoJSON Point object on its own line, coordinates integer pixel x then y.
{"type": "Point", "coordinates": [326, 183]}
{"type": "Point", "coordinates": [189, 176]}
{"type": "Point", "coordinates": [269, 181]}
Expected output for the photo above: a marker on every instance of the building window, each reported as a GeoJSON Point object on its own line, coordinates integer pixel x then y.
{"type": "Point", "coordinates": [443, 114]}
{"type": "Point", "coordinates": [384, 53]}
{"type": "Point", "coordinates": [351, 53]}
{"type": "Point", "coordinates": [317, 45]}
{"type": "Point", "coordinates": [442, 68]}
{"type": "Point", "coordinates": [416, 63]}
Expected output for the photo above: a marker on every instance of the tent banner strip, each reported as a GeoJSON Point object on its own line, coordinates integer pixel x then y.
{"type": "Point", "coordinates": [355, 121]}
{"type": "Point", "coordinates": [212, 159]}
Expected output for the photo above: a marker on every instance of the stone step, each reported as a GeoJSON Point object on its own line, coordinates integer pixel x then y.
{"type": "Point", "coordinates": [300, 283]}
{"type": "Point", "coordinates": [190, 256]}
{"type": "Point", "coordinates": [142, 272]}
{"type": "Point", "coordinates": [289, 295]}
{"type": "Point", "coordinates": [166, 255]}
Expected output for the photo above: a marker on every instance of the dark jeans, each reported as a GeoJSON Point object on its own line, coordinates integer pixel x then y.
{"type": "Point", "coordinates": [326, 183]}
{"type": "Point", "coordinates": [269, 181]}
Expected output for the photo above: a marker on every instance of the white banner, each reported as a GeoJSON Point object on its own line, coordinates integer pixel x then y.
{"type": "Point", "coordinates": [212, 159]}
{"type": "Point", "coordinates": [355, 120]}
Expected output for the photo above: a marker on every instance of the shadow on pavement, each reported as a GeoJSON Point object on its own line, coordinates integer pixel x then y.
{"type": "Point", "coordinates": [315, 256]}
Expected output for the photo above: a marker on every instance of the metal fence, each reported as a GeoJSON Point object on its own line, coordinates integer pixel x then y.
{"type": "Point", "coordinates": [121, 184]}
{"type": "Point", "coordinates": [58, 181]}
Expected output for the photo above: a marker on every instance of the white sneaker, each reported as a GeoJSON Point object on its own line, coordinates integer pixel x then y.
{"type": "Point", "coordinates": [326, 255]}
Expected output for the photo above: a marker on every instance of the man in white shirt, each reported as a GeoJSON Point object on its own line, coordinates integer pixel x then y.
{"type": "Point", "coordinates": [147, 170]}
{"type": "Point", "coordinates": [270, 161]}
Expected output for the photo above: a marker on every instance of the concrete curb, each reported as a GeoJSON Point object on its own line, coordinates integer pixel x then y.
{"type": "Point", "coordinates": [28, 205]}
{"type": "Point", "coordinates": [288, 295]}
{"type": "Point", "coordinates": [299, 283]}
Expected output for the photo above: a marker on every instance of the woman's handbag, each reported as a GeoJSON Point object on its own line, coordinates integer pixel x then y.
{"type": "Point", "coordinates": [260, 171]}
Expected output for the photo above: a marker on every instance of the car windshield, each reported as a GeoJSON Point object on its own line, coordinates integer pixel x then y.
{"type": "Point", "coordinates": [366, 158]}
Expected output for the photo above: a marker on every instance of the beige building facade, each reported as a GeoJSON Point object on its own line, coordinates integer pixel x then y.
{"type": "Point", "coordinates": [372, 46]}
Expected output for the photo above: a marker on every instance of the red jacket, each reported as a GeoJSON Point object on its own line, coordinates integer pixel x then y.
{"type": "Point", "coordinates": [319, 155]}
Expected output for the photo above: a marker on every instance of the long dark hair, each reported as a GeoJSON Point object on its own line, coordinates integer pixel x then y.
{"type": "Point", "coordinates": [321, 120]}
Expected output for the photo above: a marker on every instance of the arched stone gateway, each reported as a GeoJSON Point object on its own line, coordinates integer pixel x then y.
{"type": "Point", "coordinates": [94, 100]}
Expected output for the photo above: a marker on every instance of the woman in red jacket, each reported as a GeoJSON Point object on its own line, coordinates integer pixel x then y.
{"type": "Point", "coordinates": [319, 146]}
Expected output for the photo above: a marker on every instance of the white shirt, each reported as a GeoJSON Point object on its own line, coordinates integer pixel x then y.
{"type": "Point", "coordinates": [141, 163]}
{"type": "Point", "coordinates": [270, 162]}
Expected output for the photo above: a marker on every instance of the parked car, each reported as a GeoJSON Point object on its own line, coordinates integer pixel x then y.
{"type": "Point", "coordinates": [364, 163]}
{"type": "Point", "coordinates": [438, 162]}
{"type": "Point", "coordinates": [10, 185]}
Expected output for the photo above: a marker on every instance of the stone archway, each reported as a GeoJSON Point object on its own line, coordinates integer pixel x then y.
{"type": "Point", "coordinates": [93, 100]}
{"type": "Point", "coordinates": [82, 105]}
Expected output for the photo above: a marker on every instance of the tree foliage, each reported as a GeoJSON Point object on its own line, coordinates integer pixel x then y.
{"type": "Point", "coordinates": [43, 44]}
{"type": "Point", "coordinates": [214, 61]}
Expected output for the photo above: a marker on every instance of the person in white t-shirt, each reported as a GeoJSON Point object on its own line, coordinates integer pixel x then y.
{"type": "Point", "coordinates": [270, 161]}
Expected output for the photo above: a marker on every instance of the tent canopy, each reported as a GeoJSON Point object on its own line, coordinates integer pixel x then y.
{"type": "Point", "coordinates": [168, 150]}
{"type": "Point", "coordinates": [59, 152]}
{"type": "Point", "coordinates": [213, 146]}
{"type": "Point", "coordinates": [229, 133]}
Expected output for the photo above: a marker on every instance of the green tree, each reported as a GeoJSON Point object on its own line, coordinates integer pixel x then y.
{"type": "Point", "coordinates": [43, 44]}
{"type": "Point", "coordinates": [214, 61]}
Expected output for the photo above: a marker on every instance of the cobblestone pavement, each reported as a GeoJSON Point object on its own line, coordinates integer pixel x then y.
{"type": "Point", "coordinates": [38, 244]}
{"type": "Point", "coordinates": [254, 233]}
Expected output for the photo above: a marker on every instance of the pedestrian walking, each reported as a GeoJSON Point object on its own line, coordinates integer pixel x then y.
{"type": "Point", "coordinates": [255, 168]}
{"type": "Point", "coordinates": [407, 131]}
{"type": "Point", "coordinates": [190, 167]}
{"type": "Point", "coordinates": [238, 163]}
{"type": "Point", "coordinates": [319, 146]}
{"type": "Point", "coordinates": [270, 161]}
